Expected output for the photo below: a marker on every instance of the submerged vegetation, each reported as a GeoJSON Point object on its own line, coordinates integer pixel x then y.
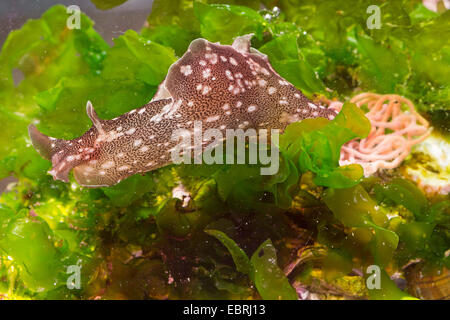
{"type": "Point", "coordinates": [309, 231]}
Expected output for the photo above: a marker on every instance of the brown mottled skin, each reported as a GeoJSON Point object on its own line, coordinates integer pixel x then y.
{"type": "Point", "coordinates": [224, 87]}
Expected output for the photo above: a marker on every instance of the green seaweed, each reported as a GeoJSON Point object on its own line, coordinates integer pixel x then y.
{"type": "Point", "coordinates": [134, 240]}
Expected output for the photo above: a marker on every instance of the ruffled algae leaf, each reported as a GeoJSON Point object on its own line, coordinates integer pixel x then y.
{"type": "Point", "coordinates": [134, 57]}
{"type": "Point", "coordinates": [269, 279]}
{"type": "Point", "coordinates": [221, 22]}
{"type": "Point", "coordinates": [262, 268]}
{"type": "Point", "coordinates": [283, 53]}
{"type": "Point", "coordinates": [355, 209]}
{"type": "Point", "coordinates": [315, 145]}
{"type": "Point", "coordinates": [239, 256]}
{"type": "Point", "coordinates": [29, 241]}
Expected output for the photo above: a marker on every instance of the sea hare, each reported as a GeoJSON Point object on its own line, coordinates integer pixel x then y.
{"type": "Point", "coordinates": [223, 87]}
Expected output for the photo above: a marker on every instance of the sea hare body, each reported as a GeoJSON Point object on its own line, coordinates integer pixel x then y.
{"type": "Point", "coordinates": [223, 87]}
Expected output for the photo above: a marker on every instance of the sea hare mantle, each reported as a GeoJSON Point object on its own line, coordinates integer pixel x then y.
{"type": "Point", "coordinates": [223, 87]}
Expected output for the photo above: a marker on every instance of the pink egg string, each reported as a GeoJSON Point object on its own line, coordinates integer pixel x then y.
{"type": "Point", "coordinates": [384, 149]}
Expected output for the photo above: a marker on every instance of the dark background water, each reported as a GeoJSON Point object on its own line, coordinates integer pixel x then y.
{"type": "Point", "coordinates": [110, 23]}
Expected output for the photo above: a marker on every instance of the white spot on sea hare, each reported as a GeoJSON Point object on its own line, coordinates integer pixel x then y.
{"type": "Point", "coordinates": [243, 125]}
{"type": "Point", "coordinates": [130, 131]}
{"type": "Point", "coordinates": [206, 73]}
{"type": "Point", "coordinates": [137, 142]}
{"type": "Point", "coordinates": [186, 70]}
{"type": "Point", "coordinates": [262, 82]}
{"type": "Point", "coordinates": [143, 149]}
{"type": "Point", "coordinates": [271, 90]}
{"type": "Point", "coordinates": [213, 118]}
{"type": "Point", "coordinates": [108, 164]}
{"type": "Point", "coordinates": [229, 75]}
{"type": "Point", "coordinates": [206, 89]}
{"type": "Point", "coordinates": [251, 108]}
{"type": "Point", "coordinates": [264, 70]}
{"type": "Point", "coordinates": [212, 57]}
